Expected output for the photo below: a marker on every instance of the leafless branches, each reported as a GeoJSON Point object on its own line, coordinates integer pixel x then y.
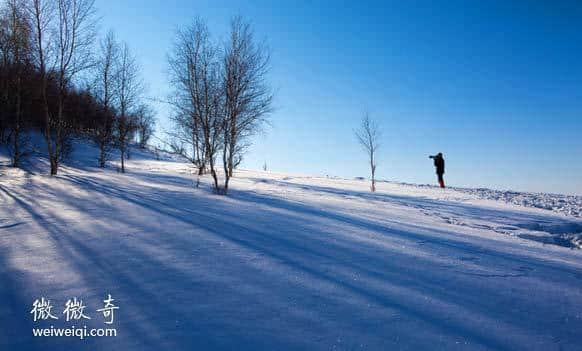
{"type": "Point", "coordinates": [63, 32]}
{"type": "Point", "coordinates": [145, 124]}
{"type": "Point", "coordinates": [47, 44]}
{"type": "Point", "coordinates": [221, 98]}
{"type": "Point", "coordinates": [104, 89]}
{"type": "Point", "coordinates": [368, 135]}
{"type": "Point", "coordinates": [15, 47]}
{"type": "Point", "coordinates": [195, 75]}
{"type": "Point", "coordinates": [129, 88]}
{"type": "Point", "coordinates": [248, 95]}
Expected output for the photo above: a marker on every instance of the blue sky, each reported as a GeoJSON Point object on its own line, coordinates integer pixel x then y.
{"type": "Point", "coordinates": [495, 86]}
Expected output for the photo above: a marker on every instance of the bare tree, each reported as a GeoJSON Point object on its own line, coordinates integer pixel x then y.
{"type": "Point", "coordinates": [248, 95]}
{"type": "Point", "coordinates": [41, 13]}
{"type": "Point", "coordinates": [368, 135]}
{"type": "Point", "coordinates": [195, 75]}
{"type": "Point", "coordinates": [129, 89]}
{"type": "Point", "coordinates": [5, 49]}
{"type": "Point", "coordinates": [104, 90]}
{"type": "Point", "coordinates": [145, 124]}
{"type": "Point", "coordinates": [63, 31]}
{"type": "Point", "coordinates": [125, 125]}
{"type": "Point", "coordinates": [221, 101]}
{"type": "Point", "coordinates": [15, 45]}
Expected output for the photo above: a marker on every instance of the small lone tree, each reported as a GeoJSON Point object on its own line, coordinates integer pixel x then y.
{"type": "Point", "coordinates": [368, 135]}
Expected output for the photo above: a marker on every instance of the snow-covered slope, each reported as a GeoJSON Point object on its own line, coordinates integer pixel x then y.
{"type": "Point", "coordinates": [285, 262]}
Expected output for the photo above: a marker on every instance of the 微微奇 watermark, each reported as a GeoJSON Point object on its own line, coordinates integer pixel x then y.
{"type": "Point", "coordinates": [80, 333]}
{"type": "Point", "coordinates": [74, 310]}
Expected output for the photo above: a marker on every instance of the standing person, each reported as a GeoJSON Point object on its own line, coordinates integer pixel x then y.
{"type": "Point", "coordinates": [439, 163]}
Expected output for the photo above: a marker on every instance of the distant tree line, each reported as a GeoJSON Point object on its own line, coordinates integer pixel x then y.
{"type": "Point", "coordinates": [221, 96]}
{"type": "Point", "coordinates": [58, 78]}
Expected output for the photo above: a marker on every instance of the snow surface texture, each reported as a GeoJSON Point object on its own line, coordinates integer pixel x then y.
{"type": "Point", "coordinates": [570, 205]}
{"type": "Point", "coordinates": [565, 204]}
{"type": "Point", "coordinates": [567, 233]}
{"type": "Point", "coordinates": [285, 262]}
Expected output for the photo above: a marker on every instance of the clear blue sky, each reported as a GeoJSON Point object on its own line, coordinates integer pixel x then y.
{"type": "Point", "coordinates": [494, 85]}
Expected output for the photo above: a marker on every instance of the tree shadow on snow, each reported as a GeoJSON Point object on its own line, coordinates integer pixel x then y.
{"type": "Point", "coordinates": [276, 309]}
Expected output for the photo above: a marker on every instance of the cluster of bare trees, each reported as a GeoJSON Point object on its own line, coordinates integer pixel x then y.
{"type": "Point", "coordinates": [63, 33]}
{"type": "Point", "coordinates": [47, 50]}
{"type": "Point", "coordinates": [221, 96]}
{"type": "Point", "coordinates": [119, 87]}
{"type": "Point", "coordinates": [15, 46]}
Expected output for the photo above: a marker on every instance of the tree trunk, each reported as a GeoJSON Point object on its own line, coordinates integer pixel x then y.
{"type": "Point", "coordinates": [373, 169]}
{"type": "Point", "coordinates": [215, 178]}
{"type": "Point", "coordinates": [47, 132]}
{"type": "Point", "coordinates": [102, 155]}
{"type": "Point", "coordinates": [122, 149]}
{"type": "Point", "coordinates": [54, 167]}
{"type": "Point", "coordinates": [16, 156]}
{"type": "Point", "coordinates": [56, 153]}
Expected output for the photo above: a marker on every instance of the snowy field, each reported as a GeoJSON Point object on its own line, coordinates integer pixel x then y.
{"type": "Point", "coordinates": [285, 262]}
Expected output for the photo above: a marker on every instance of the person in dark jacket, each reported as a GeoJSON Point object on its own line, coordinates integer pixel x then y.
{"type": "Point", "coordinates": [439, 163]}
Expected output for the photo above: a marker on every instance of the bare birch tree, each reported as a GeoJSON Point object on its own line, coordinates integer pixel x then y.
{"type": "Point", "coordinates": [41, 13]}
{"type": "Point", "coordinates": [195, 75]}
{"type": "Point", "coordinates": [104, 90]}
{"type": "Point", "coordinates": [368, 135]}
{"type": "Point", "coordinates": [64, 31]}
{"type": "Point", "coordinates": [4, 75]}
{"type": "Point", "coordinates": [16, 47]}
{"type": "Point", "coordinates": [145, 124]}
{"type": "Point", "coordinates": [129, 90]}
{"type": "Point", "coordinates": [248, 95]}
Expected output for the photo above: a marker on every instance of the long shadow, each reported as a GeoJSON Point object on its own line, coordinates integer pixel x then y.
{"type": "Point", "coordinates": [469, 211]}
{"type": "Point", "coordinates": [245, 233]}
{"type": "Point", "coordinates": [15, 320]}
{"type": "Point", "coordinates": [436, 238]}
{"type": "Point", "coordinates": [112, 277]}
{"type": "Point", "coordinates": [264, 242]}
{"type": "Point", "coordinates": [442, 238]}
{"type": "Point", "coordinates": [210, 224]}
{"type": "Point", "coordinates": [11, 225]}
{"type": "Point", "coordinates": [62, 244]}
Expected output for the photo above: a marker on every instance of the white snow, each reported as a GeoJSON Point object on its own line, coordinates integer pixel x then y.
{"type": "Point", "coordinates": [285, 262]}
